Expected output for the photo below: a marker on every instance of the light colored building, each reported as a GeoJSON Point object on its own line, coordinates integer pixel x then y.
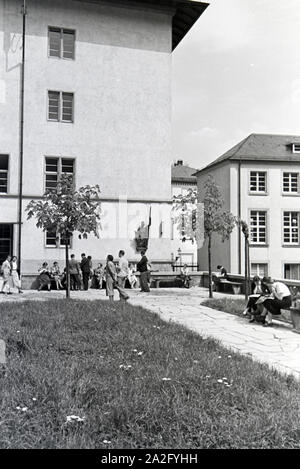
{"type": "Point", "coordinates": [260, 183]}
{"type": "Point", "coordinates": [97, 104]}
{"type": "Point", "coordinates": [183, 249]}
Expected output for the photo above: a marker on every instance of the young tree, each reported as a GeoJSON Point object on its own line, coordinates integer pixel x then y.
{"type": "Point", "coordinates": [64, 210]}
{"type": "Point", "coordinates": [216, 219]}
{"type": "Point", "coordinates": [185, 214]}
{"type": "Point", "coordinates": [201, 220]}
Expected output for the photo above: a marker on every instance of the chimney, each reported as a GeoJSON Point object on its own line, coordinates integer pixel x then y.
{"type": "Point", "coordinates": [179, 163]}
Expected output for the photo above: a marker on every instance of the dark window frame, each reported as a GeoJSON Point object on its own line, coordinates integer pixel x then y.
{"type": "Point", "coordinates": [62, 42]}
{"type": "Point", "coordinates": [4, 172]}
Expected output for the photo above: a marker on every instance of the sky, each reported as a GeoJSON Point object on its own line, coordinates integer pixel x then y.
{"type": "Point", "coordinates": [236, 72]}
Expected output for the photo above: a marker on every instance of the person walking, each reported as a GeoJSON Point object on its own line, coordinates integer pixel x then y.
{"type": "Point", "coordinates": [142, 267]}
{"type": "Point", "coordinates": [74, 270]}
{"type": "Point", "coordinates": [6, 272]}
{"type": "Point", "coordinates": [14, 274]}
{"type": "Point", "coordinates": [85, 269]}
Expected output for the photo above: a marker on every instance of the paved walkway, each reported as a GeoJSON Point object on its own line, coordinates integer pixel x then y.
{"type": "Point", "coordinates": [277, 346]}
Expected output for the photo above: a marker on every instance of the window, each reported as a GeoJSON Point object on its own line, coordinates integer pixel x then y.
{"type": "Point", "coordinates": [290, 227]}
{"type": "Point", "coordinates": [296, 147]}
{"type": "Point", "coordinates": [290, 183]}
{"type": "Point", "coordinates": [54, 240]}
{"type": "Point", "coordinates": [55, 167]}
{"type": "Point", "coordinates": [258, 181]}
{"type": "Point", "coordinates": [292, 271]}
{"type": "Point", "coordinates": [258, 226]}
{"type": "Point", "coordinates": [3, 173]}
{"type": "Point", "coordinates": [259, 269]}
{"type": "Point", "coordinates": [60, 106]}
{"type": "Point", "coordinates": [61, 43]}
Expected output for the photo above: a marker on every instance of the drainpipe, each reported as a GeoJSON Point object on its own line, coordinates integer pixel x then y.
{"type": "Point", "coordinates": [239, 216]}
{"type": "Point", "coordinates": [21, 136]}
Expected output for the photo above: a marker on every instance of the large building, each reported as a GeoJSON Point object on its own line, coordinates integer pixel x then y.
{"type": "Point", "coordinates": [184, 250]}
{"type": "Point", "coordinates": [97, 104]}
{"type": "Point", "coordinates": [260, 183]}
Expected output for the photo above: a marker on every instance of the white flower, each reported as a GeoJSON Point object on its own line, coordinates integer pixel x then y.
{"type": "Point", "coordinates": [18, 331]}
{"type": "Point", "coordinates": [219, 356]}
{"type": "Point", "coordinates": [220, 381]}
{"type": "Point", "coordinates": [34, 399]}
{"type": "Point", "coordinates": [75, 418]}
{"type": "Point", "coordinates": [196, 361]}
{"type": "Point", "coordinates": [140, 353]}
{"type": "Point", "coordinates": [134, 350]}
{"type": "Point", "coordinates": [166, 379]}
{"type": "Point", "coordinates": [106, 442]}
{"type": "Point", "coordinates": [18, 407]}
{"type": "Point", "coordinates": [229, 356]}
{"type": "Point", "coordinates": [24, 409]}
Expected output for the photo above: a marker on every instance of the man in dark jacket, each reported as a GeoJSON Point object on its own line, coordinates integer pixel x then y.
{"type": "Point", "coordinates": [142, 267]}
{"type": "Point", "coordinates": [85, 269]}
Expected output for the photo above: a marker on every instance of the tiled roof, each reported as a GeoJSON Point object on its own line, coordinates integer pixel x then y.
{"type": "Point", "coordinates": [261, 147]}
{"type": "Point", "coordinates": [183, 173]}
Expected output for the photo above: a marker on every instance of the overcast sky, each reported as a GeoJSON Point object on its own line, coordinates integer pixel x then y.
{"type": "Point", "coordinates": [237, 72]}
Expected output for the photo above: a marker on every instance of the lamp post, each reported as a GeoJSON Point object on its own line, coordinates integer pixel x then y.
{"type": "Point", "coordinates": [20, 196]}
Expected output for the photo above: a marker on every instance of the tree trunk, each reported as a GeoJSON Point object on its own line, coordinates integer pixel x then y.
{"type": "Point", "coordinates": [67, 268]}
{"type": "Point", "coordinates": [249, 269]}
{"type": "Point", "coordinates": [209, 268]}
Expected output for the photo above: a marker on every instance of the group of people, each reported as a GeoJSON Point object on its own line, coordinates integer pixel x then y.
{"type": "Point", "coordinates": [10, 275]}
{"type": "Point", "coordinates": [82, 274]}
{"type": "Point", "coordinates": [267, 299]}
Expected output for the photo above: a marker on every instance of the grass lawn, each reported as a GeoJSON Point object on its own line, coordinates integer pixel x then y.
{"type": "Point", "coordinates": [136, 381]}
{"type": "Point", "coordinates": [236, 306]}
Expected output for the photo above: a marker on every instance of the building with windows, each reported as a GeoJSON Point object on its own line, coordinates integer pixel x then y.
{"type": "Point", "coordinates": [259, 179]}
{"type": "Point", "coordinates": [184, 251]}
{"type": "Point", "coordinates": [97, 105]}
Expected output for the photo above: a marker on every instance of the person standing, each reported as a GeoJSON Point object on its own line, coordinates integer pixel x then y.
{"type": "Point", "coordinates": [142, 267]}
{"type": "Point", "coordinates": [91, 270]}
{"type": "Point", "coordinates": [14, 274]}
{"type": "Point", "coordinates": [99, 274]}
{"type": "Point", "coordinates": [6, 272]}
{"type": "Point", "coordinates": [123, 269]}
{"type": "Point", "coordinates": [55, 272]}
{"type": "Point", "coordinates": [85, 269]}
{"type": "Point", "coordinates": [74, 270]}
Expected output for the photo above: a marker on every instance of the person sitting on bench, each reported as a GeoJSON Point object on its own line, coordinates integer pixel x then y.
{"type": "Point", "coordinates": [220, 276]}
{"type": "Point", "coordinates": [184, 276]}
{"type": "Point", "coordinates": [280, 298]}
{"type": "Point", "coordinates": [258, 289]}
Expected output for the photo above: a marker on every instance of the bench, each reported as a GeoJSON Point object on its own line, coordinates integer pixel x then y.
{"type": "Point", "coordinates": [235, 286]}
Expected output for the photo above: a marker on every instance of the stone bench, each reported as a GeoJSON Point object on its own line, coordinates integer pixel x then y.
{"type": "Point", "coordinates": [235, 286]}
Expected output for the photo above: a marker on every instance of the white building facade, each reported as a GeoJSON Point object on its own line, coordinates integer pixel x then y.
{"type": "Point", "coordinates": [97, 104]}
{"type": "Point", "coordinates": [260, 183]}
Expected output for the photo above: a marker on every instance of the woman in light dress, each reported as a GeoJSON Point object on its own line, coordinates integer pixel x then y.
{"type": "Point", "coordinates": [14, 274]}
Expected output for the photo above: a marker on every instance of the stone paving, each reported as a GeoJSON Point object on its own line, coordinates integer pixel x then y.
{"type": "Point", "coordinates": [277, 346]}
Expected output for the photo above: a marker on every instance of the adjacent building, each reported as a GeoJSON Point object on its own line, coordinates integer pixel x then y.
{"type": "Point", "coordinates": [184, 250]}
{"type": "Point", "coordinates": [97, 105]}
{"type": "Point", "coordinates": [259, 179]}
